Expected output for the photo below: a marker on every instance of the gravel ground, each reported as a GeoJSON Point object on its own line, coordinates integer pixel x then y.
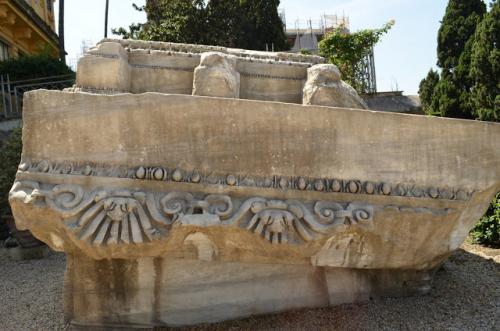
{"type": "Point", "coordinates": [465, 296]}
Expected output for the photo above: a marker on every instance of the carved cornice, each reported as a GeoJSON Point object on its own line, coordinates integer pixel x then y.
{"type": "Point", "coordinates": [332, 185]}
{"type": "Point", "coordinates": [104, 217]}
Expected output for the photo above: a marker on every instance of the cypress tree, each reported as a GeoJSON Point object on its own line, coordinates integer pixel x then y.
{"type": "Point", "coordinates": [485, 67]}
{"type": "Point", "coordinates": [426, 90]}
{"type": "Point", "coordinates": [458, 25]}
{"type": "Point", "coordinates": [446, 96]}
{"type": "Point", "coordinates": [263, 25]}
{"type": "Point", "coordinates": [451, 96]}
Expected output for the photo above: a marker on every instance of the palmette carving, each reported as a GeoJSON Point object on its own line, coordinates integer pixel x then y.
{"type": "Point", "coordinates": [291, 221]}
{"type": "Point", "coordinates": [104, 217]}
{"type": "Point", "coordinates": [100, 217]}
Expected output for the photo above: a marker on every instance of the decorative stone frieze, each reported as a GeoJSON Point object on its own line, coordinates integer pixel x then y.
{"type": "Point", "coordinates": [122, 217]}
{"type": "Point", "coordinates": [327, 185]}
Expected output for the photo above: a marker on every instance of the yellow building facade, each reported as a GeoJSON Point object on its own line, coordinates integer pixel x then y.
{"type": "Point", "coordinates": [27, 27]}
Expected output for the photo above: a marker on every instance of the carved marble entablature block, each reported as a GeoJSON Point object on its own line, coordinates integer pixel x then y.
{"type": "Point", "coordinates": [173, 209]}
{"type": "Point", "coordinates": [117, 66]}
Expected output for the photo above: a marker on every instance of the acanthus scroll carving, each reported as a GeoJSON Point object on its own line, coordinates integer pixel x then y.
{"type": "Point", "coordinates": [103, 217]}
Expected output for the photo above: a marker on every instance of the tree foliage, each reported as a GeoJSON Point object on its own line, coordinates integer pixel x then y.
{"type": "Point", "coordinates": [262, 25]}
{"type": "Point", "coordinates": [347, 50]}
{"type": "Point", "coordinates": [487, 230]}
{"type": "Point", "coordinates": [223, 25]}
{"type": "Point", "coordinates": [485, 67]}
{"type": "Point", "coordinates": [168, 20]}
{"type": "Point", "coordinates": [426, 89]}
{"type": "Point", "coordinates": [451, 96]}
{"type": "Point", "coordinates": [458, 25]}
{"type": "Point", "coordinates": [455, 39]}
{"type": "Point", "coordinates": [446, 98]}
{"type": "Point", "coordinates": [34, 66]}
{"type": "Point", "coordinates": [250, 24]}
{"type": "Point", "coordinates": [10, 156]}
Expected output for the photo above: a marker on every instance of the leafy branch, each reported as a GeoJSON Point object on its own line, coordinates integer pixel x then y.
{"type": "Point", "coordinates": [347, 51]}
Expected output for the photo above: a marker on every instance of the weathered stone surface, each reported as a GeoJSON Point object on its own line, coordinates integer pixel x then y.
{"type": "Point", "coordinates": [325, 88]}
{"type": "Point", "coordinates": [138, 67]}
{"type": "Point", "coordinates": [104, 68]}
{"type": "Point", "coordinates": [211, 135]}
{"type": "Point", "coordinates": [174, 292]}
{"type": "Point", "coordinates": [394, 102]}
{"type": "Point", "coordinates": [160, 71]}
{"type": "Point", "coordinates": [181, 209]}
{"type": "Point", "coordinates": [216, 76]}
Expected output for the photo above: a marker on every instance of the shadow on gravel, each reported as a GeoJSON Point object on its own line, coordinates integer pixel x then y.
{"type": "Point", "coordinates": [465, 296]}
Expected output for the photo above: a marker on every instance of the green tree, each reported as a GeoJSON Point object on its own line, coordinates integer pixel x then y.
{"type": "Point", "coordinates": [452, 97]}
{"type": "Point", "coordinates": [347, 50]}
{"type": "Point", "coordinates": [247, 24]}
{"type": "Point", "coordinates": [224, 23]}
{"type": "Point", "coordinates": [458, 25]}
{"type": "Point", "coordinates": [262, 25]}
{"type": "Point", "coordinates": [446, 96]}
{"type": "Point", "coordinates": [485, 67]}
{"type": "Point", "coordinates": [426, 90]}
{"type": "Point", "coordinates": [10, 156]}
{"type": "Point", "coordinates": [179, 21]}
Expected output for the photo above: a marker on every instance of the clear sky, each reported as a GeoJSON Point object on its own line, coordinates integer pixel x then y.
{"type": "Point", "coordinates": [402, 58]}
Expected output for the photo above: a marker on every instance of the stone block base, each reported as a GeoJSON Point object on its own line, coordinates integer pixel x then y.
{"type": "Point", "coordinates": [173, 292]}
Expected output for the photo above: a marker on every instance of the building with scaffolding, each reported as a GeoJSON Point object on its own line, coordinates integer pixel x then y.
{"type": "Point", "coordinates": [305, 35]}
{"type": "Point", "coordinates": [84, 47]}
